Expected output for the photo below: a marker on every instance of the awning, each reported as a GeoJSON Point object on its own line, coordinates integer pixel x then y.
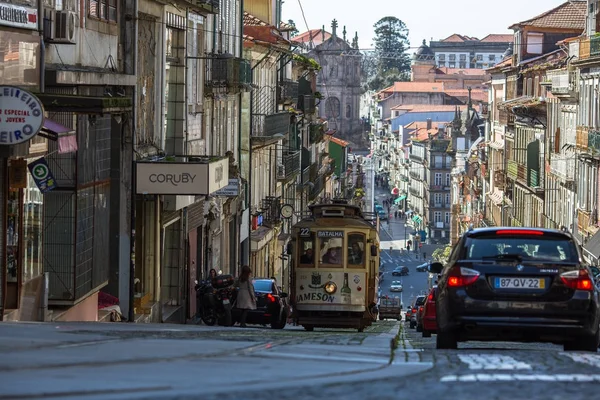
{"type": "Point", "coordinates": [52, 130]}
{"type": "Point", "coordinates": [399, 199]}
{"type": "Point", "coordinates": [417, 219]}
{"type": "Point", "coordinates": [260, 237]}
{"type": "Point", "coordinates": [592, 247]}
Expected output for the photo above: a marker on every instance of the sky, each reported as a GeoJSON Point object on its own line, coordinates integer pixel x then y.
{"type": "Point", "coordinates": [425, 19]}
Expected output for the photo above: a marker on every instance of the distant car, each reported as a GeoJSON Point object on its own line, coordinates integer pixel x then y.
{"type": "Point", "coordinates": [396, 287]}
{"type": "Point", "coordinates": [400, 271]}
{"type": "Point", "coordinates": [517, 284]}
{"type": "Point", "coordinates": [419, 301]}
{"type": "Point", "coordinates": [382, 215]}
{"type": "Point", "coordinates": [423, 267]}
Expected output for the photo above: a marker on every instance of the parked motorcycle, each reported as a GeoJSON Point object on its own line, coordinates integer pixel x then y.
{"type": "Point", "coordinates": [215, 300]}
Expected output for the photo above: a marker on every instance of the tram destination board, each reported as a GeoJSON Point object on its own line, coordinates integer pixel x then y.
{"type": "Point", "coordinates": [330, 234]}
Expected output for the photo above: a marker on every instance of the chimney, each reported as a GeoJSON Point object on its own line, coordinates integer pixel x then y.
{"type": "Point", "coordinates": [428, 123]}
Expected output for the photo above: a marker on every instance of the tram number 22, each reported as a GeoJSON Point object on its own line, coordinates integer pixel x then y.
{"type": "Point", "coordinates": [304, 232]}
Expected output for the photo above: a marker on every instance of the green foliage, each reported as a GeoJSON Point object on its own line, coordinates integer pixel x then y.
{"type": "Point", "coordinates": [391, 62]}
{"type": "Point", "coordinates": [306, 62]}
{"type": "Point", "coordinates": [293, 32]}
{"type": "Point", "coordinates": [442, 254]}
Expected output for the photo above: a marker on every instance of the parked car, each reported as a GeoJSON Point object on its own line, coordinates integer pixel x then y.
{"type": "Point", "coordinates": [396, 286]}
{"type": "Point", "coordinates": [428, 322]}
{"type": "Point", "coordinates": [272, 307]}
{"type": "Point", "coordinates": [419, 301]}
{"type": "Point", "coordinates": [400, 271]}
{"type": "Point", "coordinates": [423, 267]}
{"type": "Point", "coordinates": [517, 284]}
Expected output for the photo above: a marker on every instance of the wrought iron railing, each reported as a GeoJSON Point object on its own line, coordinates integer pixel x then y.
{"type": "Point", "coordinates": [229, 73]}
{"type": "Point", "coordinates": [594, 46]}
{"type": "Point", "coordinates": [270, 125]}
{"type": "Point", "coordinates": [287, 92]}
{"type": "Point", "coordinates": [271, 208]}
{"type": "Point", "coordinates": [290, 165]}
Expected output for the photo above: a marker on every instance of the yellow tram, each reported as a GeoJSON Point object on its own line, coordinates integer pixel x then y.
{"type": "Point", "coordinates": [335, 267]}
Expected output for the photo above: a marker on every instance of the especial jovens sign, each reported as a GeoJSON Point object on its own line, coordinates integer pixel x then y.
{"type": "Point", "coordinates": [18, 16]}
{"type": "Point", "coordinates": [21, 115]}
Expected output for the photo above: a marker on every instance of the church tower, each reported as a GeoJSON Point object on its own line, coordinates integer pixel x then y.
{"type": "Point", "coordinates": [423, 64]}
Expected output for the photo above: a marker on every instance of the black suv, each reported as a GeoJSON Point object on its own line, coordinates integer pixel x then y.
{"type": "Point", "coordinates": [517, 284]}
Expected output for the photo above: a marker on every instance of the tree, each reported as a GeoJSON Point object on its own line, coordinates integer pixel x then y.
{"type": "Point", "coordinates": [390, 62]}
{"type": "Point", "coordinates": [391, 43]}
{"type": "Point", "coordinates": [294, 31]}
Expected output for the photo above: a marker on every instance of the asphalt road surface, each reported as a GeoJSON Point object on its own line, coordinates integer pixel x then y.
{"type": "Point", "coordinates": [130, 361]}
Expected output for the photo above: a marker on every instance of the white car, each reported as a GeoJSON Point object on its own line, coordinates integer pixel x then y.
{"type": "Point", "coordinates": [396, 286]}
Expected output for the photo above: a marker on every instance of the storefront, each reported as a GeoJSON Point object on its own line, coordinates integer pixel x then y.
{"type": "Point", "coordinates": [172, 248]}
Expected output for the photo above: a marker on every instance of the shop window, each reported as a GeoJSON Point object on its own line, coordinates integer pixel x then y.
{"type": "Point", "coordinates": [330, 252]}
{"type": "Point", "coordinates": [356, 249]}
{"type": "Point", "coordinates": [307, 248]}
{"type": "Point", "coordinates": [12, 235]}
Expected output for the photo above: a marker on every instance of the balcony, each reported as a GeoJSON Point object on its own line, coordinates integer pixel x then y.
{"type": "Point", "coordinates": [499, 179]}
{"type": "Point", "coordinates": [228, 74]}
{"type": "Point", "coordinates": [415, 157]}
{"type": "Point", "coordinates": [271, 209]}
{"type": "Point", "coordinates": [563, 83]}
{"type": "Point", "coordinates": [306, 175]}
{"type": "Point", "coordinates": [415, 175]}
{"type": "Point", "coordinates": [210, 6]}
{"type": "Point", "coordinates": [594, 141]}
{"type": "Point", "coordinates": [512, 169]}
{"type": "Point", "coordinates": [289, 166]}
{"type": "Point", "coordinates": [287, 92]}
{"type": "Point", "coordinates": [581, 137]}
{"type": "Point", "coordinates": [594, 46]}
{"type": "Point", "coordinates": [318, 185]}
{"type": "Point", "coordinates": [270, 125]}
{"type": "Point", "coordinates": [563, 167]}
{"type": "Point", "coordinates": [414, 192]}
{"type": "Point", "coordinates": [307, 104]}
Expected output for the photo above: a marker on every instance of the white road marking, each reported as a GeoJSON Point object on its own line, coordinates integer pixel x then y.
{"type": "Point", "coordinates": [522, 377]}
{"type": "Point", "coordinates": [492, 361]}
{"type": "Point", "coordinates": [589, 359]}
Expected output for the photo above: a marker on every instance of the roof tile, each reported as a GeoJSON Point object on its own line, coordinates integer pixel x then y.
{"type": "Point", "coordinates": [569, 15]}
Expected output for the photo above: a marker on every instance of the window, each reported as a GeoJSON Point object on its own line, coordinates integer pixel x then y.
{"type": "Point", "coordinates": [442, 57]}
{"type": "Point", "coordinates": [452, 65]}
{"type": "Point", "coordinates": [535, 43]}
{"type": "Point", "coordinates": [356, 249]}
{"type": "Point", "coordinates": [307, 248]}
{"type": "Point", "coordinates": [437, 198]}
{"type": "Point", "coordinates": [452, 57]}
{"type": "Point", "coordinates": [479, 57]}
{"type": "Point", "coordinates": [447, 218]}
{"type": "Point", "coordinates": [447, 179]}
{"type": "Point", "coordinates": [330, 249]}
{"type": "Point", "coordinates": [492, 57]}
{"type": "Point", "coordinates": [348, 111]}
{"type": "Point", "coordinates": [447, 202]}
{"type": "Point", "coordinates": [462, 64]}
{"type": "Point", "coordinates": [438, 179]}
{"type": "Point", "coordinates": [103, 9]}
{"type": "Point", "coordinates": [437, 216]}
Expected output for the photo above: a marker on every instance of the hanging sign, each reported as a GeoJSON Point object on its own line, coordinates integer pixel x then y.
{"type": "Point", "coordinates": [42, 175]}
{"type": "Point", "coordinates": [21, 115]}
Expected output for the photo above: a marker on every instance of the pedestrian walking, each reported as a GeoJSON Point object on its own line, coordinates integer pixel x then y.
{"type": "Point", "coordinates": [246, 298]}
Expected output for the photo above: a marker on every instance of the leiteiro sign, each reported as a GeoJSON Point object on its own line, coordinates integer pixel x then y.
{"type": "Point", "coordinates": [21, 115]}
{"type": "Point", "coordinates": [181, 178]}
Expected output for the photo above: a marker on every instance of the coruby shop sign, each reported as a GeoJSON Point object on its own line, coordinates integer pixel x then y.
{"type": "Point", "coordinates": [18, 16]}
{"type": "Point", "coordinates": [21, 115]}
{"type": "Point", "coordinates": [180, 178]}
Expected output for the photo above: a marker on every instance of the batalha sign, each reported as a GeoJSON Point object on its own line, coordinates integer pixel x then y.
{"type": "Point", "coordinates": [21, 115]}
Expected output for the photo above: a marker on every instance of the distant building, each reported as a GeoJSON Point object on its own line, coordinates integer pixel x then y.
{"type": "Point", "coordinates": [312, 38]}
{"type": "Point", "coordinates": [460, 51]}
{"type": "Point", "coordinates": [339, 83]}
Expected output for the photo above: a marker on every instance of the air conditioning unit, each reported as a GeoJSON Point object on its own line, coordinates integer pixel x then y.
{"type": "Point", "coordinates": [65, 24]}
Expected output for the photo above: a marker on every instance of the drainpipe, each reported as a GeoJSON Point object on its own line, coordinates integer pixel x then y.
{"type": "Point", "coordinates": [132, 221]}
{"type": "Point", "coordinates": [42, 50]}
{"type": "Point", "coordinates": [239, 133]}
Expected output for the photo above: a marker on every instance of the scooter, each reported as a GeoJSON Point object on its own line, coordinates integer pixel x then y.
{"type": "Point", "coordinates": [215, 300]}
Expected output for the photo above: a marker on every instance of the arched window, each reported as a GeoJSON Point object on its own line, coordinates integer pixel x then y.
{"type": "Point", "coordinates": [348, 111]}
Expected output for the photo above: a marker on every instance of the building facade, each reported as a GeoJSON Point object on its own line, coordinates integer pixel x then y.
{"type": "Point", "coordinates": [460, 51]}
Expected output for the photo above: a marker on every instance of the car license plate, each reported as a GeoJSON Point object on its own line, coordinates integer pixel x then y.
{"type": "Point", "coordinates": [519, 283]}
{"type": "Point", "coordinates": [225, 301]}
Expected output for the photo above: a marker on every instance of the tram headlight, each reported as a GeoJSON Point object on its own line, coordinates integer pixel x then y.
{"type": "Point", "coordinates": [330, 287]}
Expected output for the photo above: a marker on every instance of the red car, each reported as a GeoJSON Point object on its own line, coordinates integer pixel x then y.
{"type": "Point", "coordinates": [428, 318]}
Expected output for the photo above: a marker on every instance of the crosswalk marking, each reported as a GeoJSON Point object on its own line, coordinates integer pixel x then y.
{"type": "Point", "coordinates": [589, 359]}
{"type": "Point", "coordinates": [492, 361]}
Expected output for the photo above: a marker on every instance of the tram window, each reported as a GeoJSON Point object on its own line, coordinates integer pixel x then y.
{"type": "Point", "coordinates": [356, 249]}
{"type": "Point", "coordinates": [307, 250]}
{"type": "Point", "coordinates": [331, 252]}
